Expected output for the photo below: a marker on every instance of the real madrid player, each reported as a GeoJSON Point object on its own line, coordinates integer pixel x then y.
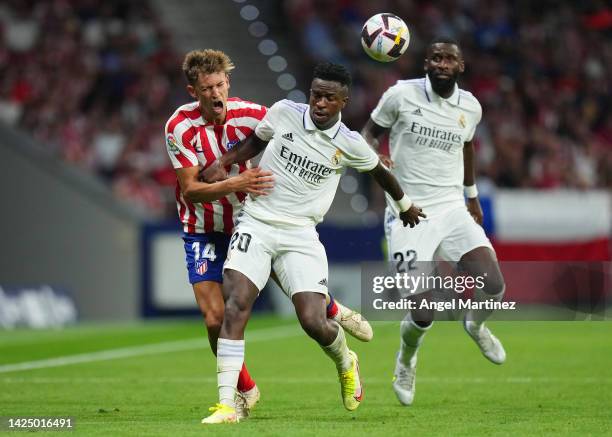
{"type": "Point", "coordinates": [196, 134]}
{"type": "Point", "coordinates": [307, 147]}
{"type": "Point", "coordinates": [431, 123]}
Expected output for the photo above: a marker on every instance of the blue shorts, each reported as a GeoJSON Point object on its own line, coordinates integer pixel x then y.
{"type": "Point", "coordinates": [205, 255]}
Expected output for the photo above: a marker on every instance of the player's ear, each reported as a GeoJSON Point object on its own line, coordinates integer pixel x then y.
{"type": "Point", "coordinates": [461, 66]}
{"type": "Point", "coordinates": [227, 78]}
{"type": "Point", "coordinates": [191, 91]}
{"type": "Point", "coordinates": [344, 96]}
{"type": "Point", "coordinates": [345, 101]}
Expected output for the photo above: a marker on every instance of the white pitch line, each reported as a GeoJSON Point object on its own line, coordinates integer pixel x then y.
{"type": "Point", "coordinates": [149, 349]}
{"type": "Point", "coordinates": [303, 381]}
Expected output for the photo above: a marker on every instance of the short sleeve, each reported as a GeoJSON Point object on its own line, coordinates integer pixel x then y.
{"type": "Point", "coordinates": [359, 155]}
{"type": "Point", "coordinates": [265, 128]}
{"type": "Point", "coordinates": [387, 110]}
{"type": "Point", "coordinates": [477, 118]}
{"type": "Point", "coordinates": [179, 136]}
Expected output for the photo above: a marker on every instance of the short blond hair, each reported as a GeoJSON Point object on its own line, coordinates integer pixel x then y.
{"type": "Point", "coordinates": [206, 61]}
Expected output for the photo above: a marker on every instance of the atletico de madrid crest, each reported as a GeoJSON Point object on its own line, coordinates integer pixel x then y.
{"type": "Point", "coordinates": [201, 266]}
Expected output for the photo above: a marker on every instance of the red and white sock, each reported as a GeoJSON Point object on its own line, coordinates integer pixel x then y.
{"type": "Point", "coordinates": [245, 382]}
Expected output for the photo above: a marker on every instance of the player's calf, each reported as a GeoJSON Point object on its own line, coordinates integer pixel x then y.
{"type": "Point", "coordinates": [241, 294]}
{"type": "Point", "coordinates": [309, 307]}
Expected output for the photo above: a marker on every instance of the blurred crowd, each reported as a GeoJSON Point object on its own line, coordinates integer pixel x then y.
{"type": "Point", "coordinates": [94, 81]}
{"type": "Point", "coordinates": [541, 70]}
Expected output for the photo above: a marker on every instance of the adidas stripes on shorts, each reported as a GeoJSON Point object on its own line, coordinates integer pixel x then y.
{"type": "Point", "coordinates": [296, 254]}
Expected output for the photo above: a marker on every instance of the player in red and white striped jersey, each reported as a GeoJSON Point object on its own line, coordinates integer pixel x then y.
{"type": "Point", "coordinates": [194, 139]}
{"type": "Point", "coordinates": [196, 135]}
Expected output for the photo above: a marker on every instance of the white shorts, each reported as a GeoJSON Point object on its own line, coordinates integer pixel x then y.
{"type": "Point", "coordinates": [296, 255]}
{"type": "Point", "coordinates": [447, 236]}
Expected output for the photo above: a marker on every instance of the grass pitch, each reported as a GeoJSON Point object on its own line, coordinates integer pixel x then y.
{"type": "Point", "coordinates": [159, 379]}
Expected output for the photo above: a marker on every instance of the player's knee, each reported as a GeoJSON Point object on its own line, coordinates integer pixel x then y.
{"type": "Point", "coordinates": [494, 283]}
{"type": "Point", "coordinates": [422, 317]}
{"type": "Point", "coordinates": [313, 325]}
{"type": "Point", "coordinates": [214, 318]}
{"type": "Point", "coordinates": [235, 310]}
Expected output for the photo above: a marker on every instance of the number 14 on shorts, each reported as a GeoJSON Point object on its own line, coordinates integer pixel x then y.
{"type": "Point", "coordinates": [208, 252]}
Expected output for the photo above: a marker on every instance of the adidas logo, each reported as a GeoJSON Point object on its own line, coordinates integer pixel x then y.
{"type": "Point", "coordinates": [323, 282]}
{"type": "Point", "coordinates": [417, 111]}
{"type": "Point", "coordinates": [288, 136]}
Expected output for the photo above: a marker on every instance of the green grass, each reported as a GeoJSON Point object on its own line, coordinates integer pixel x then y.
{"type": "Point", "coordinates": [557, 380]}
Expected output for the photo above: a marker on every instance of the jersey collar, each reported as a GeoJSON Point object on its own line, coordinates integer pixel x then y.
{"type": "Point", "coordinates": [432, 96]}
{"type": "Point", "coordinates": [331, 132]}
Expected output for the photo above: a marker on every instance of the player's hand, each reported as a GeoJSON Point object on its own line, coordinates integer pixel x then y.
{"type": "Point", "coordinates": [475, 210]}
{"type": "Point", "coordinates": [411, 216]}
{"type": "Point", "coordinates": [214, 173]}
{"type": "Point", "coordinates": [254, 181]}
{"type": "Point", "coordinates": [386, 161]}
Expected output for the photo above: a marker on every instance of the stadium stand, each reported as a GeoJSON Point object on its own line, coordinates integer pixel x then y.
{"type": "Point", "coordinates": [547, 121]}
{"type": "Point", "coordinates": [93, 81]}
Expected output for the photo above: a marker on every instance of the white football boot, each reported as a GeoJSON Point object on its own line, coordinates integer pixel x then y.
{"type": "Point", "coordinates": [245, 402]}
{"type": "Point", "coordinates": [489, 345]}
{"type": "Point", "coordinates": [404, 380]}
{"type": "Point", "coordinates": [353, 323]}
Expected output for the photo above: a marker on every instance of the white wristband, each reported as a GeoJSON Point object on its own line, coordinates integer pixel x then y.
{"type": "Point", "coordinates": [404, 203]}
{"type": "Point", "coordinates": [470, 191]}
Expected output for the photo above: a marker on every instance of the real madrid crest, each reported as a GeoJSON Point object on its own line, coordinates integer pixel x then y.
{"type": "Point", "coordinates": [336, 158]}
{"type": "Point", "coordinates": [462, 121]}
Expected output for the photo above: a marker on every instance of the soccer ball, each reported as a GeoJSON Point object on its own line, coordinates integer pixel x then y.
{"type": "Point", "coordinates": [385, 37]}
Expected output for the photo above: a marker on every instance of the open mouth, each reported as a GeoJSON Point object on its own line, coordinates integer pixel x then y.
{"type": "Point", "coordinates": [218, 107]}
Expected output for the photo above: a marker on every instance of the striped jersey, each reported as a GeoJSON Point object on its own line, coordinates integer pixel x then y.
{"type": "Point", "coordinates": [191, 140]}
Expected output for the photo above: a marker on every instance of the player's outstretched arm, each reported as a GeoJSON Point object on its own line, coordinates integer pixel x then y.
{"type": "Point", "coordinates": [241, 152]}
{"type": "Point", "coordinates": [254, 181]}
{"type": "Point", "coordinates": [469, 182]}
{"type": "Point", "coordinates": [371, 132]}
{"type": "Point", "coordinates": [409, 212]}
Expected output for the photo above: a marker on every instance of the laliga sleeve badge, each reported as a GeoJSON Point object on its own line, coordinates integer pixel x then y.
{"type": "Point", "coordinates": [172, 144]}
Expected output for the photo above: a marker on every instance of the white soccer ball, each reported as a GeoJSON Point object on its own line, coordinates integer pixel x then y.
{"type": "Point", "coordinates": [385, 37]}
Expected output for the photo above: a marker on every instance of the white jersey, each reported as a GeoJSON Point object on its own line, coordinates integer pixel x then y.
{"type": "Point", "coordinates": [306, 163]}
{"type": "Point", "coordinates": [427, 139]}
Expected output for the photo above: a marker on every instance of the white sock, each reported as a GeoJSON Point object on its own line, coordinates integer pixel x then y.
{"type": "Point", "coordinates": [411, 337]}
{"type": "Point", "coordinates": [230, 356]}
{"type": "Point", "coordinates": [477, 317]}
{"type": "Point", "coordinates": [338, 351]}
